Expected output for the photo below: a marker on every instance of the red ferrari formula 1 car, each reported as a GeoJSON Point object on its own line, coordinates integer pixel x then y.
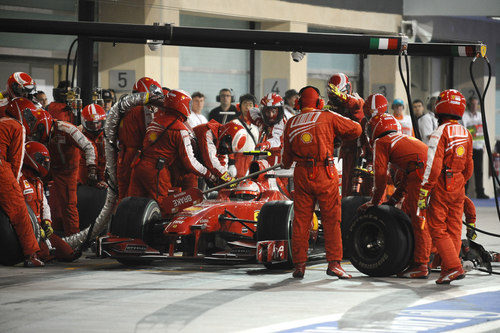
{"type": "Point", "coordinates": [225, 228]}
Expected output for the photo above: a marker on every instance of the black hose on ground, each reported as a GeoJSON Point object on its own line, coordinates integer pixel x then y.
{"type": "Point", "coordinates": [485, 126]}
{"type": "Point", "coordinates": [481, 231]}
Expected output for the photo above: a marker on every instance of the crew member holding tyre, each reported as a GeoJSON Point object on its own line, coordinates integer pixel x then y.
{"type": "Point", "coordinates": [442, 194]}
{"type": "Point", "coordinates": [36, 166]}
{"type": "Point", "coordinates": [12, 136]}
{"type": "Point", "coordinates": [407, 156]}
{"type": "Point", "coordinates": [64, 140]}
{"type": "Point", "coordinates": [308, 141]}
{"type": "Point", "coordinates": [167, 140]}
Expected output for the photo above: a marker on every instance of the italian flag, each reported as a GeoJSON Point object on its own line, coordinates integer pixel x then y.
{"type": "Point", "coordinates": [463, 51]}
{"type": "Point", "coordinates": [383, 43]}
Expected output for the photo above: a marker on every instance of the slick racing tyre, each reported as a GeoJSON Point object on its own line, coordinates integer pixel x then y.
{"type": "Point", "coordinates": [10, 248]}
{"type": "Point", "coordinates": [134, 217]}
{"type": "Point", "coordinates": [275, 223]}
{"type": "Point", "coordinates": [381, 241]}
{"type": "Point", "coordinates": [89, 204]}
{"type": "Point", "coordinates": [350, 207]}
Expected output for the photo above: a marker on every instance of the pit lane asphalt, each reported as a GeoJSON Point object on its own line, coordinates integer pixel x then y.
{"type": "Point", "coordinates": [101, 295]}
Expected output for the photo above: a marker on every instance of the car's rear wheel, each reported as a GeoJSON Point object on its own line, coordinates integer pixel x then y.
{"type": "Point", "coordinates": [135, 217]}
{"type": "Point", "coordinates": [380, 241]}
{"type": "Point", "coordinates": [275, 223]}
{"type": "Point", "coordinates": [350, 207]}
{"type": "Point", "coordinates": [11, 252]}
{"type": "Point", "coordinates": [89, 204]}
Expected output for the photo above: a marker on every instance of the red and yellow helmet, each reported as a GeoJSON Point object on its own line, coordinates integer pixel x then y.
{"type": "Point", "coordinates": [180, 101]}
{"type": "Point", "coordinates": [450, 103]}
{"type": "Point", "coordinates": [147, 85]}
{"type": "Point", "coordinates": [37, 158]}
{"type": "Point", "coordinates": [342, 82]}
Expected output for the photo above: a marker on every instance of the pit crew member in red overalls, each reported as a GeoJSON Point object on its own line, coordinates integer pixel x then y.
{"type": "Point", "coordinates": [342, 100]}
{"type": "Point", "coordinates": [19, 84]}
{"type": "Point", "coordinates": [93, 118]}
{"type": "Point", "coordinates": [134, 119]}
{"type": "Point", "coordinates": [215, 142]}
{"type": "Point", "coordinates": [407, 156]}
{"type": "Point", "coordinates": [59, 108]}
{"type": "Point", "coordinates": [167, 140]}
{"type": "Point", "coordinates": [12, 136]}
{"type": "Point", "coordinates": [442, 195]}
{"type": "Point", "coordinates": [64, 140]}
{"type": "Point", "coordinates": [308, 140]}
{"type": "Point", "coordinates": [36, 166]}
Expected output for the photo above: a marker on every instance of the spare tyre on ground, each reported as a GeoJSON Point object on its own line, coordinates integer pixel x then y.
{"type": "Point", "coordinates": [10, 248]}
{"type": "Point", "coordinates": [89, 204]}
{"type": "Point", "coordinates": [381, 241]}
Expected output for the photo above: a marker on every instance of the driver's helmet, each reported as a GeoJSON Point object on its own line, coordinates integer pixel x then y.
{"type": "Point", "coordinates": [246, 191]}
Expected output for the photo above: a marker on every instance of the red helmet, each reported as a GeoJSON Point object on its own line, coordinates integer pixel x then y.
{"type": "Point", "coordinates": [93, 117]}
{"type": "Point", "coordinates": [37, 157]}
{"type": "Point", "coordinates": [382, 125]}
{"type": "Point", "coordinates": [20, 84]}
{"type": "Point", "coordinates": [375, 105]}
{"type": "Point", "coordinates": [272, 108]}
{"type": "Point", "coordinates": [342, 82]}
{"type": "Point", "coordinates": [38, 124]}
{"type": "Point", "coordinates": [18, 107]}
{"type": "Point", "coordinates": [450, 103]}
{"type": "Point", "coordinates": [246, 190]}
{"type": "Point", "coordinates": [180, 101]}
{"type": "Point", "coordinates": [310, 98]}
{"type": "Point", "coordinates": [232, 138]}
{"type": "Point", "coordinates": [147, 85]}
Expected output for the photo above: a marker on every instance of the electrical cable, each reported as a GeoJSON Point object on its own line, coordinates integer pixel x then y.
{"type": "Point", "coordinates": [74, 69]}
{"type": "Point", "coordinates": [485, 126]}
{"type": "Point", "coordinates": [406, 84]}
{"type": "Point", "coordinates": [68, 58]}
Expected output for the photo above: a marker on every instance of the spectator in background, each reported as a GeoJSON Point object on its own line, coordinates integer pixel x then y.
{"type": "Point", "coordinates": [397, 111]}
{"type": "Point", "coordinates": [107, 97]}
{"type": "Point", "coordinates": [198, 102]}
{"type": "Point", "coordinates": [42, 99]}
{"type": "Point", "coordinates": [427, 122]}
{"type": "Point", "coordinates": [225, 98]}
{"type": "Point", "coordinates": [473, 121]}
{"type": "Point", "coordinates": [290, 97]}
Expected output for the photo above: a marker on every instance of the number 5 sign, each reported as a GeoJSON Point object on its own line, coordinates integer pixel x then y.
{"type": "Point", "coordinates": [121, 80]}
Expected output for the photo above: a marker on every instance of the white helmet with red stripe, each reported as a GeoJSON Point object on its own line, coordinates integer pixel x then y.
{"type": "Point", "coordinates": [272, 109]}
{"type": "Point", "coordinates": [375, 105]}
{"type": "Point", "coordinates": [93, 118]}
{"type": "Point", "coordinates": [20, 84]}
{"type": "Point", "coordinates": [342, 82]}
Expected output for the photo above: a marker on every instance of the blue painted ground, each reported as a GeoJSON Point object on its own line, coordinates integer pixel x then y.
{"type": "Point", "coordinates": [440, 316]}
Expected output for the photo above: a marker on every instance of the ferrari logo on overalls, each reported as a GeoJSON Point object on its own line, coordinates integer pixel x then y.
{"type": "Point", "coordinates": [460, 150]}
{"type": "Point", "coordinates": [306, 137]}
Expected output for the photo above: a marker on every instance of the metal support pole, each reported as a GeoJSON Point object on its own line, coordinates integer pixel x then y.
{"type": "Point", "coordinates": [85, 53]}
